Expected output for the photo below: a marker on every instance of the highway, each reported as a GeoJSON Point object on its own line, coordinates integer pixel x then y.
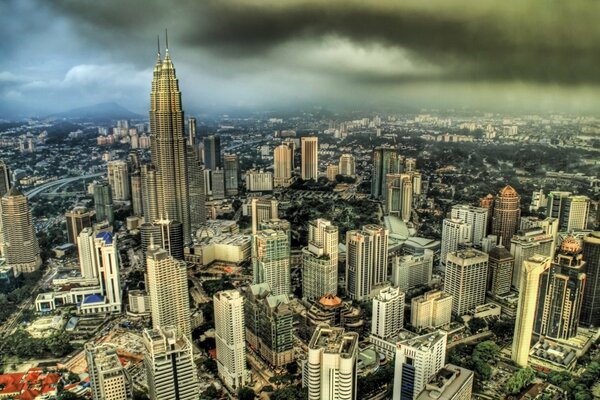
{"type": "Point", "coordinates": [59, 183]}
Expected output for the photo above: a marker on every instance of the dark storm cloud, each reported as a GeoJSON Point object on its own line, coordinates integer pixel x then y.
{"type": "Point", "coordinates": [525, 40]}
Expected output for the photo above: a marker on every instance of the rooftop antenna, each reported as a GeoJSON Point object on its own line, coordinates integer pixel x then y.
{"type": "Point", "coordinates": [158, 44]}
{"type": "Point", "coordinates": [167, 40]}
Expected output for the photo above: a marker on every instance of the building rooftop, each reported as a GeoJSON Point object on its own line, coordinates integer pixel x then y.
{"type": "Point", "coordinates": [424, 342]}
{"type": "Point", "coordinates": [449, 381]}
{"type": "Point", "coordinates": [334, 340]}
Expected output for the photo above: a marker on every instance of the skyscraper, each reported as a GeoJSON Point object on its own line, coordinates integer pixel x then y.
{"type": "Point", "coordinates": [431, 310]}
{"type": "Point", "coordinates": [487, 202]}
{"type": "Point", "coordinates": [107, 266]}
{"type": "Point", "coordinates": [331, 364]}
{"type": "Point", "coordinates": [137, 193]}
{"type": "Point", "coordinates": [347, 165]}
{"type": "Point", "coordinates": [218, 184]}
{"type": "Point", "coordinates": [168, 291]}
{"type": "Point", "coordinates": [212, 152]}
{"type": "Point", "coordinates": [282, 168]}
{"type": "Point", "coordinates": [149, 193]}
{"type": "Point", "coordinates": [87, 253]}
{"type": "Point", "coordinates": [366, 260]}
{"type": "Point", "coordinates": [574, 213]}
{"type": "Point", "coordinates": [590, 309]}
{"type": "Point", "coordinates": [271, 260]}
{"type": "Point", "coordinates": [109, 380]}
{"type": "Point", "coordinates": [103, 203]}
{"type": "Point", "coordinates": [310, 158]}
{"type": "Point", "coordinates": [320, 260]}
{"type": "Point", "coordinates": [450, 383]}
{"type": "Point", "coordinates": [399, 195]}
{"type": "Point", "coordinates": [169, 147]}
{"type": "Point", "coordinates": [263, 208]}
{"type": "Point", "coordinates": [500, 271]}
{"type": "Point", "coordinates": [466, 279]}
{"type": "Point", "coordinates": [4, 188]}
{"type": "Point", "coordinates": [506, 214]}
{"type": "Point", "coordinates": [410, 271]}
{"type": "Point", "coordinates": [417, 360]}
{"type": "Point", "coordinates": [165, 234]}
{"type": "Point", "coordinates": [454, 233]}
{"type": "Point", "coordinates": [385, 161]}
{"type": "Point", "coordinates": [21, 248]}
{"type": "Point", "coordinates": [524, 245]}
{"type": "Point", "coordinates": [77, 219]}
{"type": "Point", "coordinates": [529, 285]}
{"type": "Point", "coordinates": [232, 174]}
{"type": "Point", "coordinates": [476, 217]}
{"type": "Point", "coordinates": [118, 179]}
{"type": "Point", "coordinates": [230, 338]}
{"type": "Point", "coordinates": [169, 364]}
{"type": "Point", "coordinates": [388, 313]}
{"type": "Point", "coordinates": [195, 178]}
{"type": "Point", "coordinates": [191, 131]}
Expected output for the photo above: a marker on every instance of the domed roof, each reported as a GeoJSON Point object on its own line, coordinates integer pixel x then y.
{"type": "Point", "coordinates": [330, 300]}
{"type": "Point", "coordinates": [508, 191]}
{"type": "Point", "coordinates": [570, 245]}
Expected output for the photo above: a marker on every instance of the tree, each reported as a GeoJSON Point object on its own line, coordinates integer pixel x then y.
{"type": "Point", "coordinates": [246, 394]}
{"type": "Point", "coordinates": [519, 380]}
{"type": "Point", "coordinates": [477, 324]}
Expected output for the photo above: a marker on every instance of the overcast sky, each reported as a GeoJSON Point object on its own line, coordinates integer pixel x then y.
{"type": "Point", "coordinates": [487, 55]}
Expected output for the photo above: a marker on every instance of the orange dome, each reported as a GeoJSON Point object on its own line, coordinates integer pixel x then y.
{"type": "Point", "coordinates": [570, 245]}
{"type": "Point", "coordinates": [508, 191]}
{"type": "Point", "coordinates": [330, 300]}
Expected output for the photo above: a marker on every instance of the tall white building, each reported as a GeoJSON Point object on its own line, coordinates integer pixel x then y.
{"type": "Point", "coordinates": [259, 181]}
{"type": "Point", "coordinates": [574, 213]}
{"type": "Point", "coordinates": [476, 217]}
{"type": "Point", "coordinates": [454, 233]}
{"type": "Point", "coordinates": [109, 380]}
{"type": "Point", "coordinates": [431, 310]}
{"type": "Point", "coordinates": [263, 208]}
{"type": "Point", "coordinates": [410, 271]}
{"type": "Point", "coordinates": [399, 196]}
{"type": "Point", "coordinates": [118, 179]}
{"type": "Point", "coordinates": [524, 245]}
{"type": "Point", "coordinates": [331, 364]}
{"type": "Point", "coordinates": [466, 279]}
{"type": "Point", "coordinates": [417, 360]}
{"type": "Point", "coordinates": [169, 364]}
{"type": "Point", "coordinates": [230, 338]}
{"type": "Point", "coordinates": [271, 260]}
{"type": "Point", "coordinates": [366, 260]}
{"type": "Point", "coordinates": [388, 313]}
{"type": "Point", "coordinates": [168, 290]}
{"type": "Point", "coordinates": [283, 161]}
{"type": "Point", "coordinates": [87, 253]}
{"type": "Point", "coordinates": [310, 158]}
{"type": "Point", "coordinates": [347, 165]}
{"type": "Point", "coordinates": [320, 260]}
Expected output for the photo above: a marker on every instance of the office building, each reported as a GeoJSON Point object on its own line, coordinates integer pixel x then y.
{"type": "Point", "coordinates": [212, 152]}
{"type": "Point", "coordinates": [398, 200]}
{"type": "Point", "coordinates": [366, 260]}
{"type": "Point", "coordinates": [195, 179]}
{"type": "Point", "coordinates": [385, 161]}
{"type": "Point", "coordinates": [191, 131]}
{"type": "Point", "coordinates": [5, 182]}
{"type": "Point", "coordinates": [524, 245]}
{"type": "Point", "coordinates": [269, 324]}
{"type": "Point", "coordinates": [149, 193]}
{"type": "Point", "coordinates": [500, 271]}
{"type": "Point", "coordinates": [231, 167]}
{"type": "Point", "coordinates": [476, 217]}
{"type": "Point", "coordinates": [103, 203]}
{"type": "Point", "coordinates": [410, 271]}
{"type": "Point", "coordinates": [283, 165]}
{"type": "Point", "coordinates": [450, 383]}
{"type": "Point", "coordinates": [166, 280]}
{"type": "Point", "coordinates": [263, 208]}
{"type": "Point", "coordinates": [529, 285]}
{"type": "Point", "coordinates": [431, 310]}
{"type": "Point", "coordinates": [118, 179]}
{"type": "Point", "coordinates": [259, 181]}
{"type": "Point", "coordinates": [87, 253]}
{"type": "Point", "coordinates": [107, 271]}
{"type": "Point", "coordinates": [77, 219]}
{"type": "Point", "coordinates": [230, 338]}
{"type": "Point", "coordinates": [20, 246]}
{"type": "Point", "coordinates": [137, 193]}
{"type": "Point", "coordinates": [310, 158]}
{"type": "Point", "coordinates": [487, 202]}
{"type": "Point", "coordinates": [590, 309]}
{"type": "Point", "coordinates": [455, 232]}
{"type": "Point", "coordinates": [465, 279]}
{"type": "Point", "coordinates": [561, 293]}
{"type": "Point", "coordinates": [169, 364]}
{"type": "Point", "coordinates": [331, 364]}
{"type": "Point", "coordinates": [217, 184]}
{"type": "Point", "coordinates": [333, 170]}
{"type": "Point", "coordinates": [388, 313]}
{"type": "Point", "coordinates": [271, 260]}
{"type": "Point", "coordinates": [417, 360]}
{"type": "Point", "coordinates": [507, 212]}
{"type": "Point", "coordinates": [347, 165]}
{"type": "Point", "coordinates": [320, 260]}
{"type": "Point", "coordinates": [108, 379]}
{"type": "Point", "coordinates": [574, 213]}
{"type": "Point", "coordinates": [165, 234]}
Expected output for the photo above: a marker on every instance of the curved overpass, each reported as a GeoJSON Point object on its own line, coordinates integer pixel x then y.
{"type": "Point", "coordinates": [61, 182]}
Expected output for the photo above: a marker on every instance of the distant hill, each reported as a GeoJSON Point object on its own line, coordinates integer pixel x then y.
{"type": "Point", "coordinates": [102, 111]}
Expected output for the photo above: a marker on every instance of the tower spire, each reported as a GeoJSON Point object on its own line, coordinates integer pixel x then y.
{"type": "Point", "coordinates": [158, 44]}
{"type": "Point", "coordinates": [167, 41]}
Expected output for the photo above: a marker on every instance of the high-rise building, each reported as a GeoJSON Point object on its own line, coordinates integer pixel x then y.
{"type": "Point", "coordinates": [165, 234]}
{"type": "Point", "coordinates": [554, 203]}
{"type": "Point", "coordinates": [195, 180]}
{"type": "Point", "coordinates": [109, 380]}
{"type": "Point", "coordinates": [399, 197]}
{"type": "Point", "coordinates": [77, 219]}
{"type": "Point", "coordinates": [500, 271]}
{"type": "Point", "coordinates": [417, 360]}
{"type": "Point", "coordinates": [506, 214]}
{"type": "Point", "coordinates": [590, 309]}
{"type": "Point", "coordinates": [388, 313]}
{"type": "Point", "coordinates": [259, 181]}
{"type": "Point", "coordinates": [87, 253]}
{"type": "Point", "coordinates": [524, 245]}
{"type": "Point", "coordinates": [561, 293]}
{"type": "Point", "coordinates": [366, 260]}
{"type": "Point", "coordinates": [230, 338]}
{"type": "Point", "coordinates": [21, 248]}
{"type": "Point", "coordinates": [107, 271]}
{"type": "Point", "coordinates": [330, 372]}
{"type": "Point", "coordinates": [218, 184]}
{"type": "Point", "coordinates": [169, 364]}
{"type": "Point", "coordinates": [333, 170]}
{"type": "Point", "coordinates": [169, 147]}
{"type": "Point", "coordinates": [212, 152]}
{"type": "Point", "coordinates": [263, 208]}
{"type": "Point", "coordinates": [476, 217]}
{"type": "Point", "coordinates": [283, 158]}
{"type": "Point", "coordinates": [487, 202]}
{"type": "Point", "coordinates": [385, 161]}
{"type": "Point", "coordinates": [5, 184]}
{"type": "Point", "coordinates": [168, 290]}
{"type": "Point", "coordinates": [347, 165]}
{"type": "Point", "coordinates": [431, 310]}
{"type": "Point", "coordinates": [191, 131]}
{"type": "Point", "coordinates": [271, 260]}
{"type": "Point", "coordinates": [548, 224]}
{"type": "Point", "coordinates": [529, 285]}
{"type": "Point", "coordinates": [118, 179]}
{"type": "Point", "coordinates": [103, 203]}
{"type": "Point", "coordinates": [450, 383]}
{"type": "Point", "coordinates": [574, 213]}
{"type": "Point", "coordinates": [231, 167]}
{"type": "Point", "coordinates": [466, 279]}
{"type": "Point", "coordinates": [320, 260]}
{"type": "Point", "coordinates": [149, 193]}
{"type": "Point", "coordinates": [269, 323]}
{"type": "Point", "coordinates": [310, 158]}
{"type": "Point", "coordinates": [455, 232]}
{"type": "Point", "coordinates": [410, 271]}
{"type": "Point", "coordinates": [137, 193]}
